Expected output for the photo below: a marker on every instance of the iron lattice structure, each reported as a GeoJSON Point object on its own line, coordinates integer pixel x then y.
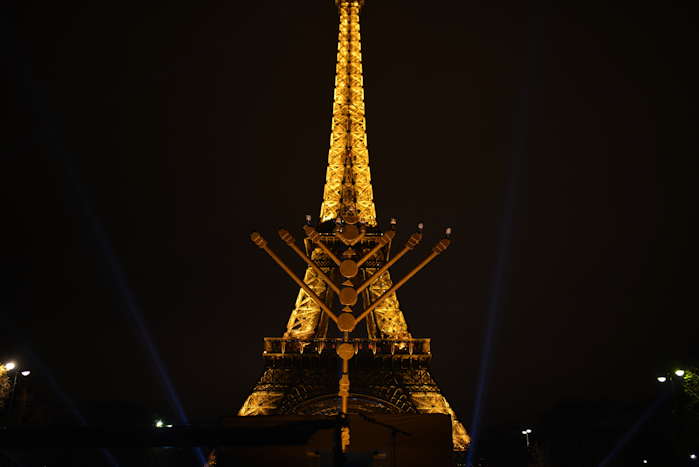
{"type": "Point", "coordinates": [348, 263]}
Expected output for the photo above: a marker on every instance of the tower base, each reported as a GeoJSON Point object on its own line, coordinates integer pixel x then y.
{"type": "Point", "coordinates": [386, 377]}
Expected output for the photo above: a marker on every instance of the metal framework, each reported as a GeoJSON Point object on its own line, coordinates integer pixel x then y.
{"type": "Point", "coordinates": [348, 180]}
{"type": "Point", "coordinates": [347, 281]}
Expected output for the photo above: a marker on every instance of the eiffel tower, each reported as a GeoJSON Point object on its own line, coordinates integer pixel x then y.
{"type": "Point", "coordinates": [348, 260]}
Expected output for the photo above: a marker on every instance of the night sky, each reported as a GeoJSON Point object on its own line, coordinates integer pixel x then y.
{"type": "Point", "coordinates": [145, 141]}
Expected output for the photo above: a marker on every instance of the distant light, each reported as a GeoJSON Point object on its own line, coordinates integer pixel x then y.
{"type": "Point", "coordinates": [529, 431]}
{"type": "Point", "coordinates": [679, 373]}
{"type": "Point", "coordinates": [693, 456]}
{"type": "Point", "coordinates": [159, 423]}
{"type": "Point", "coordinates": [10, 366]}
{"type": "Point", "coordinates": [168, 426]}
{"type": "Point", "coordinates": [524, 432]}
{"type": "Point", "coordinates": [645, 461]}
{"type": "Point", "coordinates": [26, 373]}
{"type": "Point", "coordinates": [662, 379]}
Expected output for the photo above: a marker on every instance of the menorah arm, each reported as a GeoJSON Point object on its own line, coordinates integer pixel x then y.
{"type": "Point", "coordinates": [409, 245]}
{"type": "Point", "coordinates": [289, 240]}
{"type": "Point", "coordinates": [442, 245]}
{"type": "Point", "coordinates": [315, 238]}
{"type": "Point", "coordinates": [262, 243]}
{"type": "Point", "coordinates": [383, 240]}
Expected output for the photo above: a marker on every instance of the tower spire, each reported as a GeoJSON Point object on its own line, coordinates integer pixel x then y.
{"type": "Point", "coordinates": [348, 190]}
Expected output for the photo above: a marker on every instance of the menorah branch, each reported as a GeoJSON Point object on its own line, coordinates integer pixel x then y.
{"type": "Point", "coordinates": [315, 238]}
{"type": "Point", "coordinates": [262, 243]}
{"type": "Point", "coordinates": [381, 242]}
{"type": "Point", "coordinates": [438, 249]}
{"type": "Point", "coordinates": [409, 245]}
{"type": "Point", "coordinates": [289, 240]}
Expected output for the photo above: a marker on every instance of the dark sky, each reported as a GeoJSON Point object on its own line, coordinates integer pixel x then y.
{"type": "Point", "coordinates": [178, 128]}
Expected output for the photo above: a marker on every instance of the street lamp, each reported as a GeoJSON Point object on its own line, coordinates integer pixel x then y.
{"type": "Point", "coordinates": [526, 434]}
{"type": "Point", "coordinates": [679, 372]}
{"type": "Point", "coordinates": [693, 457]}
{"type": "Point", "coordinates": [10, 366]}
{"type": "Point", "coordinates": [159, 423]}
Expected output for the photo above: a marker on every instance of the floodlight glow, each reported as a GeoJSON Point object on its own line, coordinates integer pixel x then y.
{"type": "Point", "coordinates": [679, 373]}
{"type": "Point", "coordinates": [645, 461]}
{"type": "Point", "coordinates": [26, 373]}
{"type": "Point", "coordinates": [10, 366]}
{"type": "Point", "coordinates": [693, 456]}
{"type": "Point", "coordinates": [529, 431]}
{"type": "Point", "coordinates": [159, 423]}
{"type": "Point", "coordinates": [662, 379]}
{"type": "Point", "coordinates": [524, 432]}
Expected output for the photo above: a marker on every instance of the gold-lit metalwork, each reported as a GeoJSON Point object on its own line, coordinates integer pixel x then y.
{"type": "Point", "coordinates": [289, 239]}
{"type": "Point", "coordinates": [388, 317]}
{"type": "Point", "coordinates": [348, 283]}
{"type": "Point", "coordinates": [348, 179]}
{"type": "Point", "coordinates": [348, 190]}
{"type": "Point", "coordinates": [305, 316]}
{"type": "Point", "coordinates": [262, 402]}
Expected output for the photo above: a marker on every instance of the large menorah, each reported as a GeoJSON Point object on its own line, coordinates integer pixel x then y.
{"type": "Point", "coordinates": [350, 232]}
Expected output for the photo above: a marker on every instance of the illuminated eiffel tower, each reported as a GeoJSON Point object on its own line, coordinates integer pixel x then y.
{"type": "Point", "coordinates": [348, 261]}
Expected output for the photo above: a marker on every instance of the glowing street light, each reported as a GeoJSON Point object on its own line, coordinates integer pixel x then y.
{"type": "Point", "coordinates": [645, 461]}
{"type": "Point", "coordinates": [662, 379]}
{"type": "Point", "coordinates": [526, 434]}
{"type": "Point", "coordinates": [9, 366]}
{"type": "Point", "coordinates": [693, 457]}
{"type": "Point", "coordinates": [679, 373]}
{"type": "Point", "coordinates": [159, 423]}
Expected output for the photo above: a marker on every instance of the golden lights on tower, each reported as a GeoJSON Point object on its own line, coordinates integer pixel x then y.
{"type": "Point", "coordinates": [347, 281]}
